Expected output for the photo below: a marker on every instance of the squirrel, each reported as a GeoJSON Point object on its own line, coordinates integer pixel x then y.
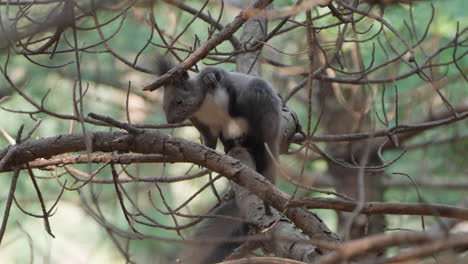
{"type": "Point", "coordinates": [240, 110]}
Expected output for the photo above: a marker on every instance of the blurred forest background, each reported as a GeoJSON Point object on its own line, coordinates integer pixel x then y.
{"type": "Point", "coordinates": [118, 41]}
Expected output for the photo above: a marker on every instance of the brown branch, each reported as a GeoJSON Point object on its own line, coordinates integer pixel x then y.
{"type": "Point", "coordinates": [45, 213]}
{"type": "Point", "coordinates": [386, 131]}
{"type": "Point", "coordinates": [235, 42]}
{"type": "Point", "coordinates": [30, 2]}
{"type": "Point", "coordinates": [204, 49]}
{"type": "Point", "coordinates": [263, 260]}
{"type": "Point", "coordinates": [383, 207]}
{"type": "Point", "coordinates": [324, 181]}
{"type": "Point", "coordinates": [461, 109]}
{"type": "Point", "coordinates": [429, 182]}
{"type": "Point", "coordinates": [391, 2]}
{"type": "Point", "coordinates": [156, 142]}
{"type": "Point", "coordinates": [96, 158]}
{"type": "Point", "coordinates": [438, 141]}
{"type": "Point", "coordinates": [11, 195]}
{"type": "Point", "coordinates": [430, 249]}
{"type": "Point", "coordinates": [415, 70]}
{"type": "Point", "coordinates": [125, 212]}
{"type": "Point", "coordinates": [377, 242]}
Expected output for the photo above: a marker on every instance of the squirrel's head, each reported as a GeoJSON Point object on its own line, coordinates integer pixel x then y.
{"type": "Point", "coordinates": [182, 98]}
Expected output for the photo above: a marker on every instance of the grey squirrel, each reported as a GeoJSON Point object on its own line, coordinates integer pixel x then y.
{"type": "Point", "coordinates": [237, 108]}
{"type": "Point", "coordinates": [240, 110]}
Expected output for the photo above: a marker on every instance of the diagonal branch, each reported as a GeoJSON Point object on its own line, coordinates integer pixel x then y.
{"type": "Point", "coordinates": [439, 210]}
{"type": "Point", "coordinates": [156, 142]}
{"type": "Point", "coordinates": [204, 49]}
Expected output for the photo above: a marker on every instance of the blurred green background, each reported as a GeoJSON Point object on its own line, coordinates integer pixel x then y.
{"type": "Point", "coordinates": [81, 239]}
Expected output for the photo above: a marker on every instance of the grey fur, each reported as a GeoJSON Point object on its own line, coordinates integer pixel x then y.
{"type": "Point", "coordinates": [234, 107]}
{"type": "Point", "coordinates": [221, 232]}
{"type": "Point", "coordinates": [239, 109]}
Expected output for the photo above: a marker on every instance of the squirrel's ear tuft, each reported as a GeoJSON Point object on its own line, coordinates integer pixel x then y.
{"type": "Point", "coordinates": [163, 65]}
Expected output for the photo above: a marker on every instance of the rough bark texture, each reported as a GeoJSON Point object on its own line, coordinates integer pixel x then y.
{"type": "Point", "coordinates": [156, 142]}
{"type": "Point", "coordinates": [282, 238]}
{"type": "Point", "coordinates": [272, 224]}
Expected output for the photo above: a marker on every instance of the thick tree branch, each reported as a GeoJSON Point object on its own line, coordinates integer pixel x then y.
{"type": "Point", "coordinates": [156, 142]}
{"type": "Point", "coordinates": [383, 207]}
{"type": "Point", "coordinates": [381, 241]}
{"type": "Point", "coordinates": [95, 158]}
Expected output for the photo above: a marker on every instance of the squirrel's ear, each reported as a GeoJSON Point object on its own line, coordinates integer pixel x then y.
{"type": "Point", "coordinates": [219, 76]}
{"type": "Point", "coordinates": [163, 65]}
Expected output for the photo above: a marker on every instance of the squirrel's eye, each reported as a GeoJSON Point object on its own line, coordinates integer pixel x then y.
{"type": "Point", "coordinates": [179, 101]}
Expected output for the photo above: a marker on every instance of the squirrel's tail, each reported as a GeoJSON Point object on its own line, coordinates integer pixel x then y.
{"type": "Point", "coordinates": [216, 236]}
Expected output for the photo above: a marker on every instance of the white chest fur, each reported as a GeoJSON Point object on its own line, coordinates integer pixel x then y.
{"type": "Point", "coordinates": [214, 114]}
